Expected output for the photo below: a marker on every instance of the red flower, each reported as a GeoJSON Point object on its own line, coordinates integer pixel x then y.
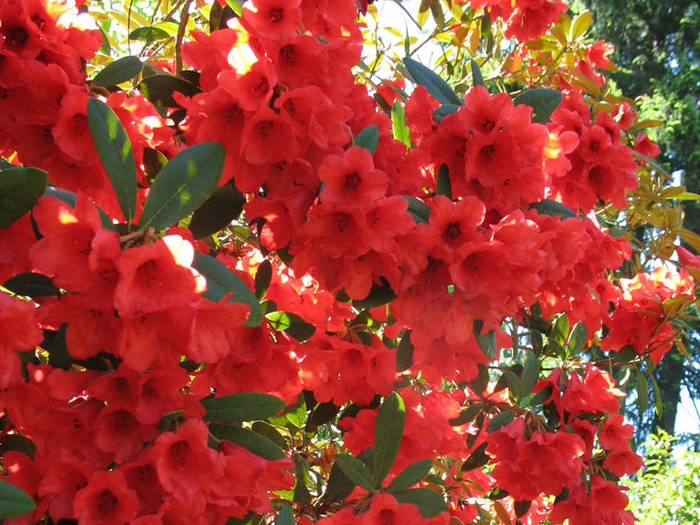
{"type": "Point", "coordinates": [106, 500]}
{"type": "Point", "coordinates": [274, 19]}
{"type": "Point", "coordinates": [351, 180]}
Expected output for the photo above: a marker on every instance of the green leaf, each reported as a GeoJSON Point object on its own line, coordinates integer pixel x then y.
{"type": "Point", "coordinates": [404, 353]}
{"type": "Point", "coordinates": [476, 74]}
{"type": "Point", "coordinates": [560, 330]}
{"type": "Point", "coordinates": [481, 381]}
{"type": "Point", "coordinates": [31, 285]}
{"type": "Point", "coordinates": [301, 473]}
{"type": "Point", "coordinates": [262, 278]}
{"type": "Point", "coordinates": [411, 475]}
{"type": "Point", "coordinates": [217, 212]}
{"type": "Point", "coordinates": [531, 373]}
{"type": "Point", "coordinates": [444, 186]}
{"type": "Point", "coordinates": [14, 502]}
{"type": "Point", "coordinates": [487, 342]}
{"type": "Point", "coordinates": [236, 6]}
{"type": "Point", "coordinates": [658, 399]}
{"type": "Point", "coordinates": [417, 209]}
{"type": "Point", "coordinates": [541, 396]}
{"type": "Point", "coordinates": [543, 101]}
{"type": "Point", "coordinates": [355, 470]}
{"type": "Point", "coordinates": [685, 196]}
{"type": "Point", "coordinates": [476, 459]}
{"type": "Point", "coordinates": [368, 138]}
{"type": "Point", "coordinates": [20, 189]}
{"type": "Point", "coordinates": [466, 415]}
{"type": "Point", "coordinates": [642, 391]}
{"type": "Point", "coordinates": [221, 281]}
{"type": "Point", "coordinates": [114, 149]}
{"type": "Point", "coordinates": [285, 517]}
{"type": "Point", "coordinates": [398, 124]}
{"type": "Point", "coordinates": [249, 440]}
{"type": "Point", "coordinates": [339, 485]}
{"type": "Point", "coordinates": [429, 503]}
{"type": "Point", "coordinates": [119, 71]}
{"type": "Point", "coordinates": [553, 209]}
{"type": "Point", "coordinates": [148, 34]}
{"type": "Point", "coordinates": [292, 324]}
{"type": "Point", "coordinates": [159, 89]}
{"type": "Point", "coordinates": [19, 443]}
{"type": "Point", "coordinates": [577, 339]}
{"type": "Point", "coordinates": [500, 420]}
{"type": "Point", "coordinates": [378, 295]}
{"type": "Point", "coordinates": [444, 110]}
{"type": "Point", "coordinates": [242, 407]}
{"type": "Point", "coordinates": [71, 198]}
{"type": "Point", "coordinates": [388, 430]}
{"type": "Point", "coordinates": [514, 384]}
{"type": "Point", "coordinates": [433, 83]}
{"type": "Point", "coordinates": [183, 185]}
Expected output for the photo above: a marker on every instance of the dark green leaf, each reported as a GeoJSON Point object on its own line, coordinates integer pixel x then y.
{"type": "Point", "coordinates": [432, 82]}
{"type": "Point", "coordinates": [531, 373]}
{"type": "Point", "coordinates": [577, 339]}
{"type": "Point", "coordinates": [183, 185]}
{"type": "Point", "coordinates": [355, 470]}
{"type": "Point", "coordinates": [71, 198]}
{"type": "Point", "coordinates": [398, 123]}
{"type": "Point", "coordinates": [411, 475]}
{"type": "Point", "coordinates": [217, 212]}
{"type": "Point", "coordinates": [553, 209]}
{"type": "Point", "coordinates": [242, 407]}
{"type": "Point", "coordinates": [477, 77]}
{"type": "Point", "coordinates": [159, 89]}
{"type": "Point", "coordinates": [322, 414]}
{"type": "Point", "coordinates": [114, 149]}
{"type": "Point", "coordinates": [301, 473]}
{"type": "Point", "coordinates": [500, 420]}
{"type": "Point", "coordinates": [20, 189]}
{"type": "Point", "coordinates": [14, 502]}
{"type": "Point", "coordinates": [339, 485]}
{"type": "Point", "coordinates": [387, 434]}
{"type": "Point", "coordinates": [444, 186]}
{"type": "Point", "coordinates": [514, 384]}
{"type": "Point", "coordinates": [148, 34]}
{"type": "Point", "coordinates": [521, 507]}
{"type": "Point", "coordinates": [444, 110]}
{"type": "Point", "coordinates": [429, 503]}
{"type": "Point", "coordinates": [285, 517]}
{"type": "Point", "coordinates": [221, 281]}
{"type": "Point", "coordinates": [249, 440]}
{"type": "Point", "coordinates": [291, 323]}
{"type": "Point", "coordinates": [487, 342]}
{"type": "Point", "coordinates": [658, 399]}
{"type": "Point", "coordinates": [479, 384]}
{"type": "Point", "coordinates": [541, 396]}
{"type": "Point", "coordinates": [466, 415]}
{"type": "Point", "coordinates": [543, 101]}
{"type": "Point", "coordinates": [404, 353]}
{"type": "Point", "coordinates": [262, 278]}
{"type": "Point", "coordinates": [118, 71]}
{"type": "Point", "coordinates": [476, 459]}
{"type": "Point", "coordinates": [31, 285]}
{"type": "Point", "coordinates": [368, 138]}
{"type": "Point", "coordinates": [19, 443]}
{"type": "Point", "coordinates": [378, 295]}
{"type": "Point", "coordinates": [560, 331]}
{"type": "Point", "coordinates": [642, 391]}
{"type": "Point", "coordinates": [236, 6]}
{"type": "Point", "coordinates": [417, 209]}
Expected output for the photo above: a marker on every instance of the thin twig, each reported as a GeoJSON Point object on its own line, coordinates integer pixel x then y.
{"type": "Point", "coordinates": [180, 34]}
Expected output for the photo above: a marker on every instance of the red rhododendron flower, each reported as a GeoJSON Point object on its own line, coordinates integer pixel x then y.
{"type": "Point", "coordinates": [105, 500]}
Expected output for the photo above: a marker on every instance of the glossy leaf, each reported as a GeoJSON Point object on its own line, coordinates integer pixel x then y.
{"type": "Point", "coordinates": [432, 82]}
{"type": "Point", "coordinates": [183, 185]}
{"type": "Point", "coordinates": [32, 285]}
{"type": "Point", "coordinates": [355, 470]}
{"type": "Point", "coordinates": [242, 407]}
{"type": "Point", "coordinates": [20, 189]}
{"type": "Point", "coordinates": [531, 373]}
{"type": "Point", "coordinates": [339, 485]}
{"type": "Point", "coordinates": [543, 101]}
{"type": "Point", "coordinates": [368, 138]}
{"type": "Point", "coordinates": [159, 89]}
{"type": "Point", "coordinates": [417, 209]}
{"type": "Point", "coordinates": [411, 475]}
{"type": "Point", "coordinates": [285, 517]}
{"type": "Point", "coordinates": [262, 278]}
{"type": "Point", "coordinates": [443, 184]}
{"type": "Point", "coordinates": [148, 34]}
{"type": "Point", "coordinates": [379, 294]}
{"type": "Point", "coordinates": [121, 70]}
{"type": "Point", "coordinates": [429, 503]}
{"type": "Point", "coordinates": [477, 77]}
{"type": "Point", "coordinates": [487, 342]}
{"type": "Point", "coordinates": [476, 459]}
{"type": "Point", "coordinates": [404, 353]}
{"type": "Point", "coordinates": [444, 110]}
{"type": "Point", "coordinates": [388, 430]}
{"type": "Point", "coordinates": [14, 502]}
{"type": "Point", "coordinates": [249, 440]}
{"type": "Point", "coordinates": [398, 124]}
{"type": "Point", "coordinates": [577, 339]}
{"type": "Point", "coordinates": [222, 281]}
{"type": "Point", "coordinates": [500, 420]}
{"type": "Point", "coordinates": [114, 149]}
{"type": "Point", "coordinates": [553, 209]}
{"type": "Point", "coordinates": [292, 324]}
{"type": "Point", "coordinates": [217, 212]}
